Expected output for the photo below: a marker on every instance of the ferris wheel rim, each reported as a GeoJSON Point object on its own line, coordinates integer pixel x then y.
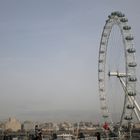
{"type": "Point", "coordinates": [119, 19]}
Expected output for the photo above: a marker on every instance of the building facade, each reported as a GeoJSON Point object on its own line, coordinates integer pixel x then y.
{"type": "Point", "coordinates": [12, 124]}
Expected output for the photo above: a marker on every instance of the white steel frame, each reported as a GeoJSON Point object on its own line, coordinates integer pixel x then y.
{"type": "Point", "coordinates": [127, 79]}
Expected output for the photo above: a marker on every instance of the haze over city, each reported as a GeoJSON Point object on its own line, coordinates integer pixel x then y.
{"type": "Point", "coordinates": [49, 56]}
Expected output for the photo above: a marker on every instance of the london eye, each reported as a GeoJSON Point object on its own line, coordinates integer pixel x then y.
{"type": "Point", "coordinates": [124, 74]}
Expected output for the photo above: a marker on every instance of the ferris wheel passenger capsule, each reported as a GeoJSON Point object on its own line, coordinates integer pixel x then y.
{"type": "Point", "coordinates": [100, 61]}
{"type": "Point", "coordinates": [132, 64]}
{"type": "Point", "coordinates": [105, 35]}
{"type": "Point", "coordinates": [100, 80]}
{"type": "Point", "coordinates": [102, 43]}
{"type": "Point", "coordinates": [131, 50]}
{"type": "Point", "coordinates": [102, 51]}
{"type": "Point", "coordinates": [116, 13]}
{"type": "Point", "coordinates": [132, 79]}
{"type": "Point", "coordinates": [100, 70]}
{"type": "Point", "coordinates": [128, 118]}
{"type": "Point", "coordinates": [121, 15]}
{"type": "Point", "coordinates": [124, 20]}
{"type": "Point", "coordinates": [130, 106]}
{"type": "Point", "coordinates": [101, 89]}
{"type": "Point", "coordinates": [108, 17]}
{"type": "Point", "coordinates": [105, 116]}
{"type": "Point", "coordinates": [129, 38]}
{"type": "Point", "coordinates": [131, 93]}
{"type": "Point", "coordinates": [127, 27]}
{"type": "Point", "coordinates": [102, 98]}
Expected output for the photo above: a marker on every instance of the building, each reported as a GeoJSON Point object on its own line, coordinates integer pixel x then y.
{"type": "Point", "coordinates": [28, 125]}
{"type": "Point", "coordinates": [12, 124]}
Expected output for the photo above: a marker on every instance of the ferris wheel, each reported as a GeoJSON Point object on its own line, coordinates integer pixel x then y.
{"type": "Point", "coordinates": [127, 78]}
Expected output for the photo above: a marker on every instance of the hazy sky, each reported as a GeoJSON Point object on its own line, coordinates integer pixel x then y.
{"type": "Point", "coordinates": [49, 56]}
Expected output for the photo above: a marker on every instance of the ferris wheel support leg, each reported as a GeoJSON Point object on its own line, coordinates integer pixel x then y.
{"type": "Point", "coordinates": [137, 115]}
{"type": "Point", "coordinates": [131, 100]}
{"type": "Point", "coordinates": [136, 104]}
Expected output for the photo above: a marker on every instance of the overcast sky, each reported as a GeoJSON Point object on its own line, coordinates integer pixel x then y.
{"type": "Point", "coordinates": [49, 56]}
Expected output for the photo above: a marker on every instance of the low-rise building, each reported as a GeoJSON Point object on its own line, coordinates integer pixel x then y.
{"type": "Point", "coordinates": [28, 125]}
